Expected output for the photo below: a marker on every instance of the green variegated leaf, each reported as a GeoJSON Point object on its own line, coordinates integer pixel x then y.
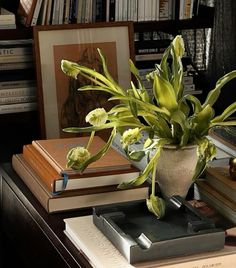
{"type": "Point", "coordinates": [196, 104]}
{"type": "Point", "coordinates": [213, 95]}
{"type": "Point", "coordinates": [164, 94]}
{"type": "Point", "coordinates": [156, 205]}
{"type": "Point", "coordinates": [145, 173]}
{"type": "Point", "coordinates": [226, 113]}
{"type": "Point", "coordinates": [107, 73]}
{"type": "Point", "coordinates": [144, 105]}
{"type": "Point", "coordinates": [206, 152]}
{"type": "Point", "coordinates": [202, 121]}
{"type": "Point", "coordinates": [136, 155]}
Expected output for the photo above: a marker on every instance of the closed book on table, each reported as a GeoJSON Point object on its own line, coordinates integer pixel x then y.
{"type": "Point", "coordinates": [71, 200]}
{"type": "Point", "coordinates": [101, 253]}
{"type": "Point", "coordinates": [56, 182]}
{"type": "Point", "coordinates": [56, 150]}
{"type": "Point", "coordinates": [219, 178]}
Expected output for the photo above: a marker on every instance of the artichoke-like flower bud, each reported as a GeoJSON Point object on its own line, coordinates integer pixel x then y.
{"type": "Point", "coordinates": [97, 117]}
{"type": "Point", "coordinates": [77, 156]}
{"type": "Point", "coordinates": [131, 136]}
{"type": "Point", "coordinates": [178, 44]}
{"type": "Point", "coordinates": [69, 68]}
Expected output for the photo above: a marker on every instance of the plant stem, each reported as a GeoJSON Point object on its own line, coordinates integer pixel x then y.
{"type": "Point", "coordinates": [154, 171]}
{"type": "Point", "coordinates": [90, 139]}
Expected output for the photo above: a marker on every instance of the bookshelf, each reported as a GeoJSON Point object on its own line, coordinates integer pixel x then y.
{"type": "Point", "coordinates": [27, 124]}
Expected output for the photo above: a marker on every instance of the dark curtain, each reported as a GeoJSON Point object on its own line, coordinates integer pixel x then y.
{"type": "Point", "coordinates": [222, 53]}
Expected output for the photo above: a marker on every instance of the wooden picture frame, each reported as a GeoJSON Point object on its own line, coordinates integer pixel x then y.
{"type": "Point", "coordinates": [78, 43]}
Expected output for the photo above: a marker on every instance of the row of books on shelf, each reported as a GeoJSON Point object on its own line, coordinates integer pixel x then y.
{"type": "Point", "coordinates": [47, 12]}
{"type": "Point", "coordinates": [16, 54]}
{"type": "Point", "coordinates": [42, 166]}
{"type": "Point", "coordinates": [17, 84]}
{"type": "Point", "coordinates": [17, 96]}
{"type": "Point", "coordinates": [7, 19]}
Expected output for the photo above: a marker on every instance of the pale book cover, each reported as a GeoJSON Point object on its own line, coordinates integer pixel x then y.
{"type": "Point", "coordinates": [77, 199]}
{"type": "Point", "coordinates": [101, 253]}
{"type": "Point", "coordinates": [56, 182]}
{"type": "Point", "coordinates": [6, 17]}
{"type": "Point", "coordinates": [56, 150]}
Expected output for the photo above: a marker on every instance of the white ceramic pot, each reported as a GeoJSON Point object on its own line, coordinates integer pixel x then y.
{"type": "Point", "coordinates": [175, 170]}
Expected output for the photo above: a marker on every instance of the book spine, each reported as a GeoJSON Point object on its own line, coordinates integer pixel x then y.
{"type": "Point", "coordinates": [16, 59]}
{"type": "Point", "coordinates": [36, 13]}
{"type": "Point", "coordinates": [16, 84]}
{"type": "Point", "coordinates": [45, 171]}
{"type": "Point", "coordinates": [15, 51]}
{"type": "Point", "coordinates": [164, 9]}
{"type": "Point", "coordinates": [18, 92]}
{"type": "Point", "coordinates": [67, 10]}
{"type": "Point", "coordinates": [18, 107]}
{"type": "Point", "coordinates": [17, 99]}
{"type": "Point", "coordinates": [112, 10]}
{"type": "Point", "coordinates": [28, 178]}
{"type": "Point", "coordinates": [141, 10]}
{"type": "Point", "coordinates": [7, 26]}
{"type": "Point", "coordinates": [16, 65]}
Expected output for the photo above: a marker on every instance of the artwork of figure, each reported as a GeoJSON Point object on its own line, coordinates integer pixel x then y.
{"type": "Point", "coordinates": [78, 104]}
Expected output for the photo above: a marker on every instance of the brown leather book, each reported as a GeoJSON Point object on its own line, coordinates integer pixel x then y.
{"type": "Point", "coordinates": [55, 182]}
{"type": "Point", "coordinates": [71, 200]}
{"type": "Point", "coordinates": [55, 151]}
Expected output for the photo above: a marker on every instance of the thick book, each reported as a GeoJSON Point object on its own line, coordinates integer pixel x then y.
{"type": "Point", "coordinates": [219, 178]}
{"type": "Point", "coordinates": [18, 107]}
{"type": "Point", "coordinates": [17, 99]}
{"type": "Point", "coordinates": [17, 92]}
{"type": "Point", "coordinates": [56, 182]}
{"type": "Point", "coordinates": [7, 17]}
{"type": "Point", "coordinates": [102, 253]}
{"type": "Point", "coordinates": [76, 199]}
{"type": "Point", "coordinates": [214, 198]}
{"type": "Point", "coordinates": [56, 150]}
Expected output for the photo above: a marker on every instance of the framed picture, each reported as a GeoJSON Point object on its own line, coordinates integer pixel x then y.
{"type": "Point", "coordinates": [60, 104]}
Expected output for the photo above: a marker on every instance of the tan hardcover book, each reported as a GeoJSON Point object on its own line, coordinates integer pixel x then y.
{"type": "Point", "coordinates": [55, 151]}
{"type": "Point", "coordinates": [71, 200]}
{"type": "Point", "coordinates": [56, 182]}
{"type": "Point", "coordinates": [219, 178]}
{"type": "Point", "coordinates": [102, 253]}
{"type": "Point", "coordinates": [26, 11]}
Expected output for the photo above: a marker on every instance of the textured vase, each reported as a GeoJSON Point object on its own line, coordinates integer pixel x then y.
{"type": "Point", "coordinates": [175, 170]}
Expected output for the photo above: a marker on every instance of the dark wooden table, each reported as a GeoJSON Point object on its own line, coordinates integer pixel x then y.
{"type": "Point", "coordinates": [35, 235]}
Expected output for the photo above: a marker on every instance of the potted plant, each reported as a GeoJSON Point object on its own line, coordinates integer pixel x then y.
{"type": "Point", "coordinates": [171, 119]}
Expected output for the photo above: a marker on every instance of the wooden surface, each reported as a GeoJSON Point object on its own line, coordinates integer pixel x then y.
{"type": "Point", "coordinates": [37, 236]}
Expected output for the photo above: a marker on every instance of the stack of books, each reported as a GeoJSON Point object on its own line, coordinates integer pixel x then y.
{"type": "Point", "coordinates": [42, 166]}
{"type": "Point", "coordinates": [7, 19]}
{"type": "Point", "coordinates": [17, 85]}
{"type": "Point", "coordinates": [219, 190]}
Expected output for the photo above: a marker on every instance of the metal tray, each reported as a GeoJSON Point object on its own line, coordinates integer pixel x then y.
{"type": "Point", "coordinates": [140, 236]}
